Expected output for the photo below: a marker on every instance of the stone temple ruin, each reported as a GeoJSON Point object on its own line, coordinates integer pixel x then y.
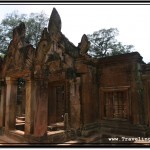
{"type": "Point", "coordinates": [65, 94]}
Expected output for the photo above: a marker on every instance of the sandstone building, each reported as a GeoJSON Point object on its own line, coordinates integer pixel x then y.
{"type": "Point", "coordinates": [66, 94]}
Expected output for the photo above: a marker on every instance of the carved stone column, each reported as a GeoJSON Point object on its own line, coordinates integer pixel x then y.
{"type": "Point", "coordinates": [75, 108]}
{"type": "Point", "coordinates": [36, 107]}
{"type": "Point", "coordinates": [11, 97]}
{"type": "Point", "coordinates": [2, 104]}
{"type": "Point", "coordinates": [30, 106]}
{"type": "Point", "coordinates": [41, 110]}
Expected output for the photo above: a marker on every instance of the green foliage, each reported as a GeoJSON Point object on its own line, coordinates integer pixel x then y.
{"type": "Point", "coordinates": [104, 43]}
{"type": "Point", "coordinates": [35, 25]}
{"type": "Point", "coordinates": [34, 22]}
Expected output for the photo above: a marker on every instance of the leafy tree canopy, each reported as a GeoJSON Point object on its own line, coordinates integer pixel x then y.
{"type": "Point", "coordinates": [35, 23]}
{"type": "Point", "coordinates": [104, 43]}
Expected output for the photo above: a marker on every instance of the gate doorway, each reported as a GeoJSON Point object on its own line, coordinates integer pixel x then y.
{"type": "Point", "coordinates": [20, 105]}
{"type": "Point", "coordinates": [56, 106]}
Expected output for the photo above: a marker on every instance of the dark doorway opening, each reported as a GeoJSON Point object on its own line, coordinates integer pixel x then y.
{"type": "Point", "coordinates": [56, 106]}
{"type": "Point", "coordinates": [20, 105]}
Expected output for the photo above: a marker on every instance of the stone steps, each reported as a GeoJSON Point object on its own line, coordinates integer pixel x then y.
{"type": "Point", "coordinates": [21, 118]}
{"type": "Point", "coordinates": [56, 126]}
{"type": "Point", "coordinates": [20, 123]}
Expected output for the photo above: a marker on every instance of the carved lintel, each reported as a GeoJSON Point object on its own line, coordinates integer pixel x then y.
{"type": "Point", "coordinates": [20, 53]}
{"type": "Point", "coordinates": [42, 83]}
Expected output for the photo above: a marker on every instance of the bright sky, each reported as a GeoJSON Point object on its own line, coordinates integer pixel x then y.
{"type": "Point", "coordinates": [132, 21]}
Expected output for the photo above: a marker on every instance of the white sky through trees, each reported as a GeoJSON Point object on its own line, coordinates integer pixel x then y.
{"type": "Point", "coordinates": [132, 21]}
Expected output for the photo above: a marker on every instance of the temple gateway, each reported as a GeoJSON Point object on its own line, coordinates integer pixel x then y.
{"type": "Point", "coordinates": [56, 92]}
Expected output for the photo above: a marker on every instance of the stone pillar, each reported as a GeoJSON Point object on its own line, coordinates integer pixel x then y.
{"type": "Point", "coordinates": [66, 123]}
{"type": "Point", "coordinates": [75, 108]}
{"type": "Point", "coordinates": [41, 110]}
{"type": "Point", "coordinates": [30, 106]}
{"type": "Point", "coordinates": [2, 104]}
{"type": "Point", "coordinates": [23, 102]}
{"type": "Point", "coordinates": [11, 97]}
{"type": "Point", "coordinates": [137, 101]}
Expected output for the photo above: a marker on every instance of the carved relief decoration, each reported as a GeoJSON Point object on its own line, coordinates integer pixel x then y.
{"type": "Point", "coordinates": [20, 54]}
{"type": "Point", "coordinates": [54, 53]}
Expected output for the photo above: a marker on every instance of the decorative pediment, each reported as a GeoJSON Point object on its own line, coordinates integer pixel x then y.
{"type": "Point", "coordinates": [84, 45]}
{"type": "Point", "coordinates": [20, 54]}
{"type": "Point", "coordinates": [53, 53]}
{"type": "Point", "coordinates": [19, 34]}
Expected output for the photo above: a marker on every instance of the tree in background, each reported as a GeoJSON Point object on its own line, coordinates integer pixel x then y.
{"type": "Point", "coordinates": [35, 23]}
{"type": "Point", "coordinates": [104, 43]}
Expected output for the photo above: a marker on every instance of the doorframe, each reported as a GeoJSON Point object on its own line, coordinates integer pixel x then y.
{"type": "Point", "coordinates": [66, 94]}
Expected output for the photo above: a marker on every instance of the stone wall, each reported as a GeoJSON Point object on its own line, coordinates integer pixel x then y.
{"type": "Point", "coordinates": [118, 74]}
